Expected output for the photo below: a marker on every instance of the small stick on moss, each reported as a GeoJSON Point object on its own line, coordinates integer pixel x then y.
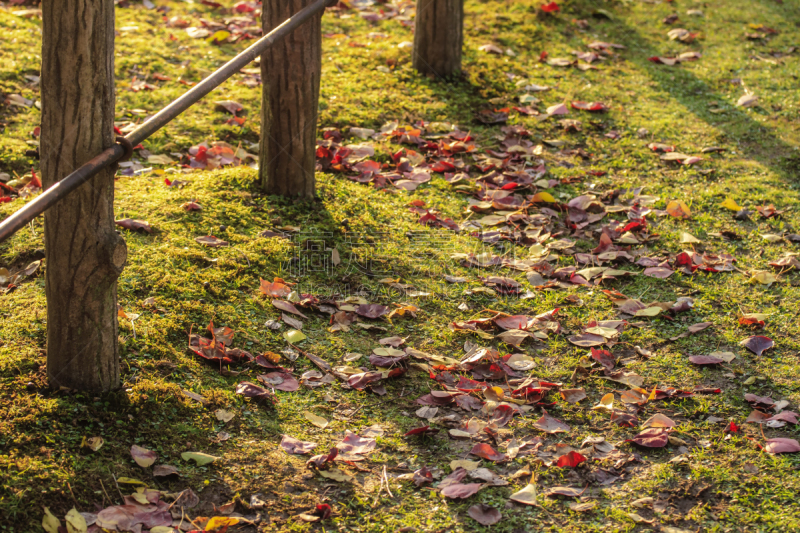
{"type": "Point", "coordinates": [105, 492]}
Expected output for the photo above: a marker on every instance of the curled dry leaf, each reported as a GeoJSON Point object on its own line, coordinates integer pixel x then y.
{"type": "Point", "coordinates": [283, 305]}
{"type": "Point", "coordinates": [131, 224]}
{"type": "Point", "coordinates": [316, 420]}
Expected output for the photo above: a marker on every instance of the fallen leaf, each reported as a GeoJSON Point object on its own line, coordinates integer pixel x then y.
{"type": "Point", "coordinates": [295, 446]}
{"type": "Point", "coordinates": [487, 452]}
{"type": "Point", "coordinates": [316, 420]}
{"type": "Point", "coordinates": [757, 344]}
{"type": "Point", "coordinates": [336, 475]}
{"type": "Point", "coordinates": [548, 424]}
{"type": "Point", "coordinates": [143, 456]}
{"type": "Point", "coordinates": [571, 459]}
{"type": "Point", "coordinates": [652, 438]}
{"type": "Point", "coordinates": [527, 495]}
{"type": "Point", "coordinates": [485, 515]}
{"type": "Point", "coordinates": [198, 457]}
{"type": "Point", "coordinates": [49, 522]}
{"type": "Point", "coordinates": [606, 403]}
{"type": "Point", "coordinates": [782, 445]}
{"type": "Point", "coordinates": [659, 421]}
{"type": "Point", "coordinates": [679, 209]}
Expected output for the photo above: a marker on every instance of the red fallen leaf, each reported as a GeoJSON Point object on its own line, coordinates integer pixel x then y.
{"type": "Point", "coordinates": [623, 419]}
{"type": "Point", "coordinates": [190, 206]}
{"type": "Point", "coordinates": [751, 321]}
{"type": "Point", "coordinates": [658, 272]}
{"type": "Point", "coordinates": [758, 344]}
{"type": "Point", "coordinates": [485, 515]}
{"type": "Point", "coordinates": [548, 424]}
{"type": "Point", "coordinates": [705, 360]}
{"type": "Point", "coordinates": [283, 305]}
{"type": "Point", "coordinates": [572, 459]}
{"type": "Point", "coordinates": [211, 4]}
{"type": "Point", "coordinates": [502, 415]}
{"type": "Point", "coordinates": [461, 490]}
{"type": "Point", "coordinates": [131, 224]}
{"type": "Point", "coordinates": [732, 428]}
{"type": "Point", "coordinates": [417, 203]}
{"type": "Point", "coordinates": [604, 357]}
{"type": "Point", "coordinates": [372, 310]}
{"type": "Point", "coordinates": [651, 438]}
{"type": "Point", "coordinates": [552, 7]}
{"type": "Point", "coordinates": [424, 431]}
{"type": "Point", "coordinates": [589, 106]}
{"type": "Point", "coordinates": [245, 7]}
{"type": "Point", "coordinates": [782, 445]}
{"type": "Point", "coordinates": [423, 476]}
{"type": "Point", "coordinates": [487, 452]}
{"type": "Point", "coordinates": [280, 380]}
{"type": "Point", "coordinates": [512, 322]}
{"type": "Point", "coordinates": [295, 446]}
{"type": "Point", "coordinates": [320, 460]}
{"type": "Point", "coordinates": [210, 240]}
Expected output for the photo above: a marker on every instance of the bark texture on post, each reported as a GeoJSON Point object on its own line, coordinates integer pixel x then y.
{"type": "Point", "coordinates": [84, 254]}
{"type": "Point", "coordinates": [438, 37]}
{"type": "Point", "coordinates": [290, 71]}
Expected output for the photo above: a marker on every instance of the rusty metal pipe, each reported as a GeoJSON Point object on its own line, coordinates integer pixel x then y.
{"type": "Point", "coordinates": [78, 177]}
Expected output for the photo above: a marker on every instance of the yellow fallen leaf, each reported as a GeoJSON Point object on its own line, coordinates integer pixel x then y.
{"type": "Point", "coordinates": [729, 203]}
{"type": "Point", "coordinates": [219, 522]}
{"type": "Point", "coordinates": [316, 420]}
{"type": "Point", "coordinates": [764, 278]}
{"type": "Point", "coordinates": [649, 311]}
{"type": "Point", "coordinates": [293, 336]}
{"type": "Point", "coordinates": [688, 238]}
{"type": "Point", "coordinates": [543, 196]}
{"type": "Point", "coordinates": [218, 36]}
{"type": "Point", "coordinates": [750, 380]}
{"type": "Point", "coordinates": [335, 474]}
{"type": "Point", "coordinates": [76, 523]}
{"type": "Point", "coordinates": [94, 443]}
{"type": "Point", "coordinates": [469, 466]}
{"type": "Point", "coordinates": [527, 495]}
{"type": "Point", "coordinates": [606, 403]}
{"type": "Point", "coordinates": [130, 481]}
{"type": "Point", "coordinates": [679, 209]}
{"type": "Point", "coordinates": [49, 522]}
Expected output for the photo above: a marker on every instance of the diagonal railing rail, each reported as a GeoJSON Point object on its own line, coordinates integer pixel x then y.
{"type": "Point", "coordinates": [124, 145]}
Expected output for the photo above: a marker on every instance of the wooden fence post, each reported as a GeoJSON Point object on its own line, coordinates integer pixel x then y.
{"type": "Point", "coordinates": [290, 71]}
{"type": "Point", "coordinates": [438, 37]}
{"type": "Point", "coordinates": [84, 253]}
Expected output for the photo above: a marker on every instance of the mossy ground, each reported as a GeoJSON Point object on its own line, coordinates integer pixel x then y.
{"type": "Point", "coordinates": [691, 106]}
